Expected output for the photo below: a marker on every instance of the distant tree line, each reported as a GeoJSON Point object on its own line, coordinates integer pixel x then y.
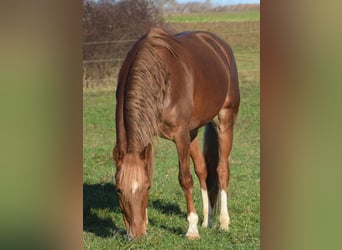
{"type": "Point", "coordinates": [110, 20]}
{"type": "Point", "coordinates": [111, 26]}
{"type": "Point", "coordinates": [117, 20]}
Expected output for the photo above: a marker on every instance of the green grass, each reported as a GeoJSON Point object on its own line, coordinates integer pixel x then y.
{"type": "Point", "coordinates": [103, 226]}
{"type": "Point", "coordinates": [103, 223]}
{"type": "Point", "coordinates": [238, 16]}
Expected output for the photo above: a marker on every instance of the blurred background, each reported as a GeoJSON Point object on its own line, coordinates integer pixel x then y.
{"type": "Point", "coordinates": [111, 28]}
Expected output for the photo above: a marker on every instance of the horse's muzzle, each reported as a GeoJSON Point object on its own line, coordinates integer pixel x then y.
{"type": "Point", "coordinates": [137, 230]}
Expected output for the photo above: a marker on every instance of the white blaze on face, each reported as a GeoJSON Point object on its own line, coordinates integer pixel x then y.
{"type": "Point", "coordinates": [135, 186]}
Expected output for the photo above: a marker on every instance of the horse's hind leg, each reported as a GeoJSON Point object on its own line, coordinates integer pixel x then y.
{"type": "Point", "coordinates": [201, 172]}
{"type": "Point", "coordinates": [225, 124]}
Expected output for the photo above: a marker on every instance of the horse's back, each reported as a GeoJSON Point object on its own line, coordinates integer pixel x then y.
{"type": "Point", "coordinates": [210, 72]}
{"type": "Point", "coordinates": [206, 45]}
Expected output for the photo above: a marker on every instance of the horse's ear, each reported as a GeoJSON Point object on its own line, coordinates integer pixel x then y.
{"type": "Point", "coordinates": [147, 152]}
{"type": "Point", "coordinates": [117, 155]}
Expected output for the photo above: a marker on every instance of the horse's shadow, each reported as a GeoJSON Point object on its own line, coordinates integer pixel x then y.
{"type": "Point", "coordinates": [100, 196]}
{"type": "Point", "coordinates": [103, 196]}
{"type": "Point", "coordinates": [166, 207]}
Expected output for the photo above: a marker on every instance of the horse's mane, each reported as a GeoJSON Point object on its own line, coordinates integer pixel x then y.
{"type": "Point", "coordinates": [146, 87]}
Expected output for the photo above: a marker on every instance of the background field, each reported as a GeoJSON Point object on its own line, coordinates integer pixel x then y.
{"type": "Point", "coordinates": [103, 224]}
{"type": "Point", "coordinates": [236, 16]}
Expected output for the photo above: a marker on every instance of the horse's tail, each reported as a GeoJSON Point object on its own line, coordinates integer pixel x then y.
{"type": "Point", "coordinates": [211, 155]}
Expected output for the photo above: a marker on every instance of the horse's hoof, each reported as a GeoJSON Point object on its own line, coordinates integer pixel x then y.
{"type": "Point", "coordinates": [225, 229]}
{"type": "Point", "coordinates": [206, 224]}
{"type": "Point", "coordinates": [192, 236]}
{"type": "Point", "coordinates": [224, 226]}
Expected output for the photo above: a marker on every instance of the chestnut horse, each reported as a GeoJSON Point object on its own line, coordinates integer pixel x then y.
{"type": "Point", "coordinates": [170, 86]}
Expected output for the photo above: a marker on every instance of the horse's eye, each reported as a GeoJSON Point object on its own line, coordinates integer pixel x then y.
{"type": "Point", "coordinates": [118, 192]}
{"type": "Point", "coordinates": [148, 189]}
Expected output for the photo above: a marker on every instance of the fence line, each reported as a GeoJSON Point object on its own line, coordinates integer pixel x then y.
{"type": "Point", "coordinates": [236, 53]}
{"type": "Point", "coordinates": [112, 41]}
{"type": "Point", "coordinates": [115, 79]}
{"type": "Point", "coordinates": [131, 41]}
{"type": "Point", "coordinates": [103, 60]}
{"type": "Point", "coordinates": [113, 64]}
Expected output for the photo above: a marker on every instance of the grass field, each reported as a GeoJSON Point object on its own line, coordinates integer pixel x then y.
{"type": "Point", "coordinates": [103, 223]}
{"type": "Point", "coordinates": [238, 16]}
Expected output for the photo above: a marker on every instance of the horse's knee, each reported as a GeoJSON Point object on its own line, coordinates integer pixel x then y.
{"type": "Point", "coordinates": [201, 171]}
{"type": "Point", "coordinates": [223, 174]}
{"type": "Point", "coordinates": [185, 180]}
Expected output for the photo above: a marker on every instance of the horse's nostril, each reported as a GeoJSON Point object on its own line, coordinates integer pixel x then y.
{"type": "Point", "coordinates": [133, 235]}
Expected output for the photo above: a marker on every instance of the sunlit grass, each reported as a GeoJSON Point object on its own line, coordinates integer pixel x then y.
{"type": "Point", "coordinates": [238, 16]}
{"type": "Point", "coordinates": [103, 223]}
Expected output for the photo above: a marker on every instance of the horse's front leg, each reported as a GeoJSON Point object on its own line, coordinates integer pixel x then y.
{"type": "Point", "coordinates": [201, 171]}
{"type": "Point", "coordinates": [185, 179]}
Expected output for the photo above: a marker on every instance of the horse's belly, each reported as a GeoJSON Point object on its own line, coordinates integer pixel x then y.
{"type": "Point", "coordinates": [206, 107]}
{"type": "Point", "coordinates": [199, 120]}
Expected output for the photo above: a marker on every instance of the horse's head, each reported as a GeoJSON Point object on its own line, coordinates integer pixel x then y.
{"type": "Point", "coordinates": [133, 180]}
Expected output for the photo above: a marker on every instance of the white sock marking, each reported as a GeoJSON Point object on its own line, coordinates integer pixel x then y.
{"type": "Point", "coordinates": [206, 209]}
{"type": "Point", "coordinates": [193, 220]}
{"type": "Point", "coordinates": [224, 216]}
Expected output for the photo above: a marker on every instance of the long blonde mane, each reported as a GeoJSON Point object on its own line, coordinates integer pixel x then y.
{"type": "Point", "coordinates": [146, 87]}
